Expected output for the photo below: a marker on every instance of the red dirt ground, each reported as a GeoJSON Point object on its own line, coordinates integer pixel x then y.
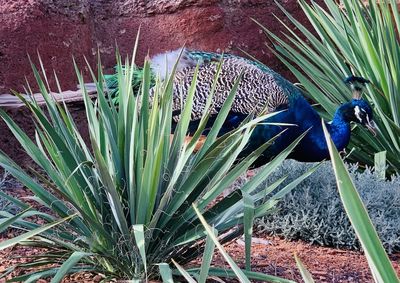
{"type": "Point", "coordinates": [270, 255]}
{"type": "Point", "coordinates": [325, 264]}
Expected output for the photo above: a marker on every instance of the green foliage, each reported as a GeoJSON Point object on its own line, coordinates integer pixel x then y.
{"type": "Point", "coordinates": [378, 261]}
{"type": "Point", "coordinates": [121, 206]}
{"type": "Point", "coordinates": [350, 39]}
{"type": "Point", "coordinates": [235, 272]}
{"type": "Point", "coordinates": [313, 211]}
{"type": "Point", "coordinates": [304, 272]}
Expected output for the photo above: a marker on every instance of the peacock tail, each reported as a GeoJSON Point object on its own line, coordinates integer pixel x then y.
{"type": "Point", "coordinates": [112, 83]}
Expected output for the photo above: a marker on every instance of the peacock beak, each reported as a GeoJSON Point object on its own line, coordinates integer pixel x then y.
{"type": "Point", "coordinates": [371, 126]}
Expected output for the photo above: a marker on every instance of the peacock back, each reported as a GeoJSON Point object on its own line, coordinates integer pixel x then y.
{"type": "Point", "coordinates": [260, 90]}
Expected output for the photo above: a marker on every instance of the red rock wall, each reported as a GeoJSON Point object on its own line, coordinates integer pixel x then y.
{"type": "Point", "coordinates": [60, 29]}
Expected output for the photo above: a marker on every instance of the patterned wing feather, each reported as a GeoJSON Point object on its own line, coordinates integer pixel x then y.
{"type": "Point", "coordinates": [258, 90]}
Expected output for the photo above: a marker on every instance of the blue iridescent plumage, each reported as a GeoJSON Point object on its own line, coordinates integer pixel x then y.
{"type": "Point", "coordinates": [261, 90]}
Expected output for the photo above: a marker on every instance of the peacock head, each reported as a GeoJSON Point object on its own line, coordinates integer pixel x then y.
{"type": "Point", "coordinates": [358, 110]}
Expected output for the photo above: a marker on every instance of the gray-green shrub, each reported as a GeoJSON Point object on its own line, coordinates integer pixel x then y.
{"type": "Point", "coordinates": [313, 211]}
{"type": "Point", "coordinates": [5, 181]}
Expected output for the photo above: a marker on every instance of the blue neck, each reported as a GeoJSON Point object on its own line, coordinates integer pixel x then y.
{"type": "Point", "coordinates": [340, 130]}
{"type": "Point", "coordinates": [313, 147]}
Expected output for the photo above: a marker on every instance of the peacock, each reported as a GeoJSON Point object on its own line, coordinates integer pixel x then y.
{"type": "Point", "coordinates": [261, 90]}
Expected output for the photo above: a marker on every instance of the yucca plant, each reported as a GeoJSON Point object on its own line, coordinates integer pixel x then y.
{"type": "Point", "coordinates": [352, 37]}
{"type": "Point", "coordinates": [122, 206]}
{"type": "Point", "coordinates": [378, 261]}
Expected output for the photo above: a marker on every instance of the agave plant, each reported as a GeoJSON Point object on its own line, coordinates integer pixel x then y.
{"type": "Point", "coordinates": [122, 206]}
{"type": "Point", "coordinates": [354, 37]}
